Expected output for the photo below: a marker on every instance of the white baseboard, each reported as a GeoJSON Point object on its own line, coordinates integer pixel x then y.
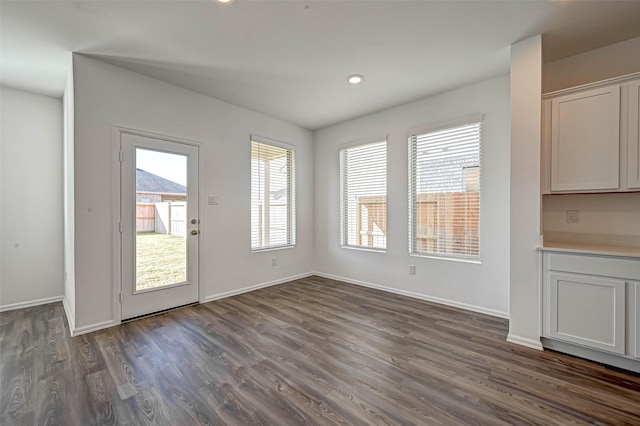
{"type": "Point", "coordinates": [226, 294]}
{"type": "Point", "coordinates": [30, 303]}
{"type": "Point", "coordinates": [85, 329]}
{"type": "Point", "coordinates": [525, 341]}
{"type": "Point", "coordinates": [110, 323]}
{"type": "Point", "coordinates": [105, 324]}
{"type": "Point", "coordinates": [70, 318]}
{"type": "Point", "coordinates": [453, 303]}
{"type": "Point", "coordinates": [93, 327]}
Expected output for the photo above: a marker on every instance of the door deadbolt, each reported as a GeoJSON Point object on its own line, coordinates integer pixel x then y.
{"type": "Point", "coordinates": [194, 221]}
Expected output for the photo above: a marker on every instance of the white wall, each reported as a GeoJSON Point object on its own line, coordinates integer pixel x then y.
{"type": "Point", "coordinates": [106, 95]}
{"type": "Point", "coordinates": [481, 287]}
{"type": "Point", "coordinates": [524, 269]}
{"type": "Point", "coordinates": [611, 216]}
{"type": "Point", "coordinates": [599, 64]}
{"type": "Point", "coordinates": [31, 235]}
{"type": "Point", "coordinates": [68, 206]}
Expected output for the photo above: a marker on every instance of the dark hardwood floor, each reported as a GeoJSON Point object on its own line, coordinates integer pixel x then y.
{"type": "Point", "coordinates": [312, 351]}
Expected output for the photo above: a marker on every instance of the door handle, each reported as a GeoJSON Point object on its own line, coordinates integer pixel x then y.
{"type": "Point", "coordinates": [194, 232]}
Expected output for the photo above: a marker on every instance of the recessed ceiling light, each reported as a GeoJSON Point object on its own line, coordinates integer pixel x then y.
{"type": "Point", "coordinates": [355, 78]}
{"type": "Point", "coordinates": [226, 1]}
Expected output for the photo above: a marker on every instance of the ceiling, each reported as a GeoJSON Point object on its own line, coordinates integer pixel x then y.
{"type": "Point", "coordinates": [290, 59]}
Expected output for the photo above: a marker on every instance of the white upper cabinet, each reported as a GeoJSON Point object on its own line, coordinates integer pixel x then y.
{"type": "Point", "coordinates": [591, 138]}
{"type": "Point", "coordinates": [633, 153]}
{"type": "Point", "coordinates": [585, 140]}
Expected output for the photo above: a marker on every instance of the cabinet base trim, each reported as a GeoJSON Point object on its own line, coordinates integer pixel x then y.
{"type": "Point", "coordinates": [524, 341]}
{"type": "Point", "coordinates": [618, 361]}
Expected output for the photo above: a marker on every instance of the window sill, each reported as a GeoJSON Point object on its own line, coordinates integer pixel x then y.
{"type": "Point", "coordinates": [450, 258]}
{"type": "Point", "coordinates": [261, 249]}
{"type": "Point", "coordinates": [374, 250]}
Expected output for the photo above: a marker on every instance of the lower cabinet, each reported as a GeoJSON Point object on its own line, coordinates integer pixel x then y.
{"type": "Point", "coordinates": [588, 310]}
{"type": "Point", "coordinates": [592, 301]}
{"type": "Point", "coordinates": [636, 317]}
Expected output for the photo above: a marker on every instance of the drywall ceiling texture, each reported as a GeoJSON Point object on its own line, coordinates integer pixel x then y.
{"type": "Point", "coordinates": [31, 205]}
{"type": "Point", "coordinates": [106, 95]}
{"type": "Point", "coordinates": [289, 59]}
{"type": "Point", "coordinates": [481, 287]}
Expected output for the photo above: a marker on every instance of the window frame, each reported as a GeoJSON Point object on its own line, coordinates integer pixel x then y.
{"type": "Point", "coordinates": [343, 214]}
{"type": "Point", "coordinates": [412, 189]}
{"type": "Point", "coordinates": [291, 194]}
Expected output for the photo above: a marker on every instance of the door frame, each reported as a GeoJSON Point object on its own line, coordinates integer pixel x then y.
{"type": "Point", "coordinates": [116, 211]}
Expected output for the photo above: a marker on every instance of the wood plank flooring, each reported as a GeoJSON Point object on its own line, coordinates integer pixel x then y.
{"type": "Point", "coordinates": [312, 351]}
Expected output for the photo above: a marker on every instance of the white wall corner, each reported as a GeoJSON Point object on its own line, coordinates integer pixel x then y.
{"type": "Point", "coordinates": [525, 191]}
{"type": "Point", "coordinates": [92, 327]}
{"type": "Point", "coordinates": [70, 318]}
{"type": "Point", "coordinates": [525, 341]}
{"type": "Point", "coordinates": [69, 299]}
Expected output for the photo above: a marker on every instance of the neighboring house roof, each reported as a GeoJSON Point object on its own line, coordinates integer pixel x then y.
{"type": "Point", "coordinates": [149, 183]}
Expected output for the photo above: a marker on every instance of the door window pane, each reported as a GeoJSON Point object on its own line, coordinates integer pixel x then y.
{"type": "Point", "coordinates": [161, 214]}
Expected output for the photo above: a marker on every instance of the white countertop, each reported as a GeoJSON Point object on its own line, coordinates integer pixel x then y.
{"type": "Point", "coordinates": [598, 249]}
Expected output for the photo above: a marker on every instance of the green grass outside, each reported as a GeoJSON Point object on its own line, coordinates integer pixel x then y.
{"type": "Point", "coordinates": [161, 260]}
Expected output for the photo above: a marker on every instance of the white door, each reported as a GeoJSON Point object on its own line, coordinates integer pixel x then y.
{"type": "Point", "coordinates": [159, 202]}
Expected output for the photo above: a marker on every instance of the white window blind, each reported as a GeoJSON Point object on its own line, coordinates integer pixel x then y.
{"type": "Point", "coordinates": [363, 196]}
{"type": "Point", "coordinates": [444, 191]}
{"type": "Point", "coordinates": [272, 196]}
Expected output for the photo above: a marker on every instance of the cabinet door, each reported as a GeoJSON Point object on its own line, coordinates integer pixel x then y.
{"type": "Point", "coordinates": [636, 315]}
{"type": "Point", "coordinates": [585, 140]}
{"type": "Point", "coordinates": [588, 310]}
{"type": "Point", "coordinates": [634, 136]}
{"type": "Point", "coordinates": [545, 149]}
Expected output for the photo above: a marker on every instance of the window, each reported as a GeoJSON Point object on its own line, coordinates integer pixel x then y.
{"type": "Point", "coordinates": [444, 191]}
{"type": "Point", "coordinates": [363, 196]}
{"type": "Point", "coordinates": [272, 195]}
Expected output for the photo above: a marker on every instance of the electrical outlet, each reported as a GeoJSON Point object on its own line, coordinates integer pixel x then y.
{"type": "Point", "coordinates": [412, 269]}
{"type": "Point", "coordinates": [274, 261]}
{"type": "Point", "coordinates": [573, 216]}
